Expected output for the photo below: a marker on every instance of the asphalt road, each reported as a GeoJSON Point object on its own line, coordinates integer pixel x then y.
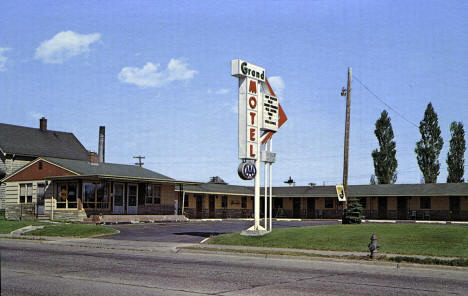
{"type": "Point", "coordinates": [193, 231]}
{"type": "Point", "coordinates": [59, 268]}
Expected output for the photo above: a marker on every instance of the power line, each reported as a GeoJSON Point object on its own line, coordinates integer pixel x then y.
{"type": "Point", "coordinates": [383, 102]}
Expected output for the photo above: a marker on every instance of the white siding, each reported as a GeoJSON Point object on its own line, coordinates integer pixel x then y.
{"type": "Point", "coordinates": [9, 166]}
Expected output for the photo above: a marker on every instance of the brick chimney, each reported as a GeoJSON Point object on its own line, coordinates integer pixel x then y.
{"type": "Point", "coordinates": [43, 124]}
{"type": "Point", "coordinates": [92, 157]}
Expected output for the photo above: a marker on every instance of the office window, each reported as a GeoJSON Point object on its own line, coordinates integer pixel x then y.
{"type": "Point", "coordinates": [328, 202]}
{"type": "Point", "coordinates": [25, 195]}
{"type": "Point", "coordinates": [425, 202]}
{"type": "Point", "coordinates": [186, 201]}
{"type": "Point", "coordinates": [153, 194]}
{"type": "Point", "coordinates": [67, 196]}
{"type": "Point", "coordinates": [224, 201]}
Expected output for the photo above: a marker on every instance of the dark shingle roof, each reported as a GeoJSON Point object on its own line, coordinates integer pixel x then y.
{"type": "Point", "coordinates": [219, 188]}
{"type": "Point", "coordinates": [441, 189]}
{"type": "Point", "coordinates": [107, 169]}
{"type": "Point", "coordinates": [28, 141]}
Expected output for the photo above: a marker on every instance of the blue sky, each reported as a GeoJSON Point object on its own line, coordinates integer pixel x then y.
{"type": "Point", "coordinates": [157, 75]}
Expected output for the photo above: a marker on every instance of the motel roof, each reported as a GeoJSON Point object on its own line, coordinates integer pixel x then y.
{"type": "Point", "coordinates": [27, 141]}
{"type": "Point", "coordinates": [439, 189]}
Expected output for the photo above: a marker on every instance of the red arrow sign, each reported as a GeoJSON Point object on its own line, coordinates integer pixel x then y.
{"type": "Point", "coordinates": [282, 116]}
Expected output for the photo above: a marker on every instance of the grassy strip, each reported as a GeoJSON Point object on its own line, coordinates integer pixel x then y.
{"type": "Point", "coordinates": [427, 260]}
{"type": "Point", "coordinates": [8, 226]}
{"type": "Point", "coordinates": [73, 230]}
{"type": "Point", "coordinates": [408, 239]}
{"type": "Point", "coordinates": [399, 259]}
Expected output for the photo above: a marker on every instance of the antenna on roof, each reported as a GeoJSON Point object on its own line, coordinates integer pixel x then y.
{"type": "Point", "coordinates": [290, 182]}
{"type": "Point", "coordinates": [139, 163]}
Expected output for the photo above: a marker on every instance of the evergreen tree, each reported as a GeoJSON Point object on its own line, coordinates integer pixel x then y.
{"type": "Point", "coordinates": [455, 156]}
{"type": "Point", "coordinates": [429, 147]}
{"type": "Point", "coordinates": [353, 214]}
{"type": "Point", "coordinates": [385, 163]}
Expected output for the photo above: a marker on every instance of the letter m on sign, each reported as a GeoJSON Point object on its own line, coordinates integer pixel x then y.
{"type": "Point", "coordinates": [253, 87]}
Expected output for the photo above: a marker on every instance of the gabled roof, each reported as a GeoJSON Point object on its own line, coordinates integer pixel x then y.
{"type": "Point", "coordinates": [29, 141]}
{"type": "Point", "coordinates": [107, 169]}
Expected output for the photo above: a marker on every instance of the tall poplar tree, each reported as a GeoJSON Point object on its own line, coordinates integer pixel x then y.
{"type": "Point", "coordinates": [385, 163]}
{"type": "Point", "coordinates": [455, 156]}
{"type": "Point", "coordinates": [429, 147]}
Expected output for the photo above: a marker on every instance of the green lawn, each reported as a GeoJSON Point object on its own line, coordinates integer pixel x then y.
{"type": "Point", "coordinates": [73, 230]}
{"type": "Point", "coordinates": [8, 226]}
{"type": "Point", "coordinates": [411, 239]}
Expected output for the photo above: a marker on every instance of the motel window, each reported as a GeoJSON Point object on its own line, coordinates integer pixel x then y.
{"type": "Point", "coordinates": [153, 194]}
{"type": "Point", "coordinates": [25, 195]}
{"type": "Point", "coordinates": [277, 203]}
{"type": "Point", "coordinates": [363, 202]}
{"type": "Point", "coordinates": [67, 196]}
{"type": "Point", "coordinates": [328, 202]}
{"type": "Point", "coordinates": [224, 201]}
{"type": "Point", "coordinates": [244, 202]}
{"type": "Point", "coordinates": [425, 202]}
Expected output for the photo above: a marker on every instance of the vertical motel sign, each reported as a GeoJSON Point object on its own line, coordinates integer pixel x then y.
{"type": "Point", "coordinates": [257, 111]}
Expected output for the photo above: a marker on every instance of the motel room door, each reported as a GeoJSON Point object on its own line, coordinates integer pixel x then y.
{"type": "Point", "coordinates": [454, 203]}
{"type": "Point", "coordinates": [402, 207]}
{"type": "Point", "coordinates": [118, 198]}
{"type": "Point", "coordinates": [199, 206]}
{"type": "Point", "coordinates": [382, 205]}
{"type": "Point", "coordinates": [132, 199]}
{"type": "Point", "coordinates": [212, 207]}
{"type": "Point", "coordinates": [296, 207]}
{"type": "Point", "coordinates": [311, 208]}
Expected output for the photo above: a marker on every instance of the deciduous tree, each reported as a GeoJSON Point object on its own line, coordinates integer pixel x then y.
{"type": "Point", "coordinates": [385, 162]}
{"type": "Point", "coordinates": [456, 154]}
{"type": "Point", "coordinates": [429, 147]}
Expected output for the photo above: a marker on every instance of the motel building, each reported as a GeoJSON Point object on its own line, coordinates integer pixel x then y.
{"type": "Point", "coordinates": [76, 190]}
{"type": "Point", "coordinates": [393, 201]}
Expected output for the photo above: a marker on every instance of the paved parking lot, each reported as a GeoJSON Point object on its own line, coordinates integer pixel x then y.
{"type": "Point", "coordinates": [194, 231]}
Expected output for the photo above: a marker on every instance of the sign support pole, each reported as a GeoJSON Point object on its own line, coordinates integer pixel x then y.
{"type": "Point", "coordinates": [271, 186]}
{"type": "Point", "coordinates": [265, 191]}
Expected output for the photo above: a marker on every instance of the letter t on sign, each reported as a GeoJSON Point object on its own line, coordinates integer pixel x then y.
{"type": "Point", "coordinates": [252, 118]}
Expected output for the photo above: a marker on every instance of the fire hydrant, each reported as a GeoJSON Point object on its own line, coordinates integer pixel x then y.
{"type": "Point", "coordinates": [373, 246]}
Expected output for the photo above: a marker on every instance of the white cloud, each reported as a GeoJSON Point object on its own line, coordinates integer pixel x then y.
{"type": "Point", "coordinates": [221, 91]}
{"type": "Point", "coordinates": [3, 58]}
{"type": "Point", "coordinates": [36, 115]}
{"type": "Point", "coordinates": [149, 76]}
{"type": "Point", "coordinates": [277, 84]}
{"type": "Point", "coordinates": [65, 45]}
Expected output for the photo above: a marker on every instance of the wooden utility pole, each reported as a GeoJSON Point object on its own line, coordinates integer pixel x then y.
{"type": "Point", "coordinates": [139, 163]}
{"type": "Point", "coordinates": [346, 139]}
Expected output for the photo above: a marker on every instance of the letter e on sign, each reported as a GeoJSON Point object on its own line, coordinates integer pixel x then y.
{"type": "Point", "coordinates": [252, 134]}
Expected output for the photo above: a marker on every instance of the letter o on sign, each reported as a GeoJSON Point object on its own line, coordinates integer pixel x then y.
{"type": "Point", "coordinates": [247, 170]}
{"type": "Point", "coordinates": [252, 102]}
